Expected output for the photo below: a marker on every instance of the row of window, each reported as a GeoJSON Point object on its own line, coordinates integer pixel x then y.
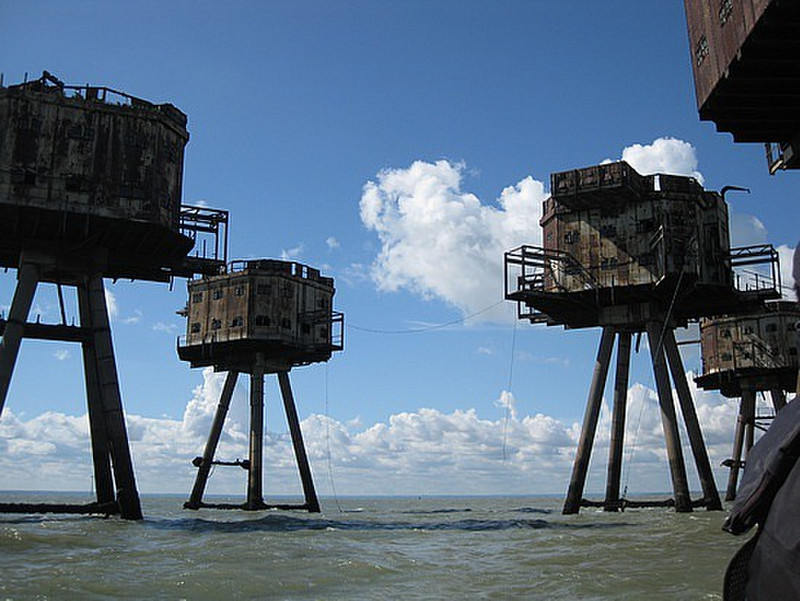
{"type": "Point", "coordinates": [260, 320]}
{"type": "Point", "coordinates": [769, 328]}
{"type": "Point", "coordinates": [218, 293]}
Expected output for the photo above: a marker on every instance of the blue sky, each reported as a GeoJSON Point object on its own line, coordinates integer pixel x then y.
{"type": "Point", "coordinates": [310, 121]}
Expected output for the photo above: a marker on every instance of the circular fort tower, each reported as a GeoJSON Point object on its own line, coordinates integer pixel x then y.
{"type": "Point", "coordinates": [636, 254]}
{"type": "Point", "coordinates": [747, 354]}
{"type": "Point", "coordinates": [90, 187]}
{"type": "Point", "coordinates": [259, 317]}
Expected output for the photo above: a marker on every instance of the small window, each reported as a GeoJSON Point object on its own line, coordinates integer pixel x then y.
{"type": "Point", "coordinates": [747, 330]}
{"type": "Point", "coordinates": [725, 10]}
{"type": "Point", "coordinates": [263, 320]}
{"type": "Point", "coordinates": [306, 328]}
{"type": "Point", "coordinates": [195, 327]}
{"type": "Point", "coordinates": [216, 324]}
{"type": "Point", "coordinates": [701, 52]}
{"type": "Point", "coordinates": [726, 356]}
{"type": "Point", "coordinates": [571, 237]}
{"type": "Point", "coordinates": [725, 333]}
{"type": "Point", "coordinates": [197, 297]}
{"type": "Point", "coordinates": [218, 293]}
{"type": "Point", "coordinates": [238, 291]}
{"type": "Point", "coordinates": [237, 322]}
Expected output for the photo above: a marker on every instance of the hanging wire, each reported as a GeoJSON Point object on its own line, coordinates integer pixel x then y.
{"type": "Point", "coordinates": [653, 353]}
{"type": "Point", "coordinates": [328, 445]}
{"type": "Point", "coordinates": [426, 328]}
{"type": "Point", "coordinates": [510, 384]}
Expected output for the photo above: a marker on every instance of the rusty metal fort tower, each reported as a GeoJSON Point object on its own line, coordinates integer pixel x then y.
{"type": "Point", "coordinates": [634, 254]}
{"type": "Point", "coordinates": [744, 355]}
{"type": "Point", "coordinates": [90, 187]}
{"type": "Point", "coordinates": [259, 317]}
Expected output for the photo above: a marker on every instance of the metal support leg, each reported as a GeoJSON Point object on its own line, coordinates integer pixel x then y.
{"type": "Point", "coordinates": [101, 458]}
{"type": "Point", "coordinates": [710, 492]}
{"type": "Point", "coordinates": [618, 422]}
{"type": "Point", "coordinates": [27, 280]}
{"type": "Point", "coordinates": [108, 385]}
{"type": "Point", "coordinates": [677, 467]}
{"type": "Point", "coordinates": [255, 495]}
{"type": "Point", "coordinates": [577, 482]}
{"type": "Point", "coordinates": [778, 399]}
{"type": "Point", "coordinates": [738, 444]}
{"type": "Point", "coordinates": [312, 503]}
{"type": "Point", "coordinates": [203, 471]}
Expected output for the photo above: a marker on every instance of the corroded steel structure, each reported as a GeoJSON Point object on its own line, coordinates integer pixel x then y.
{"type": "Point", "coordinates": [90, 187]}
{"type": "Point", "coordinates": [747, 354]}
{"type": "Point", "coordinates": [636, 254]}
{"type": "Point", "coordinates": [746, 63]}
{"type": "Point", "coordinates": [259, 317]}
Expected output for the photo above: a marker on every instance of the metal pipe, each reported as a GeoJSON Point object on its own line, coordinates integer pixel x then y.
{"type": "Point", "coordinates": [618, 422]}
{"type": "Point", "coordinates": [577, 482]}
{"type": "Point", "coordinates": [704, 472]}
{"type": "Point", "coordinates": [297, 441]}
{"type": "Point", "coordinates": [677, 467]}
{"type": "Point", "coordinates": [203, 471]}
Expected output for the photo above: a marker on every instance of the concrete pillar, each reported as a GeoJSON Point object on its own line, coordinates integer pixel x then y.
{"type": "Point", "coordinates": [203, 471]}
{"type": "Point", "coordinates": [255, 495]}
{"type": "Point", "coordinates": [101, 452]}
{"type": "Point", "coordinates": [709, 486]}
{"type": "Point", "coordinates": [108, 386]}
{"type": "Point", "coordinates": [618, 422]}
{"type": "Point", "coordinates": [312, 503]}
{"type": "Point", "coordinates": [677, 467]}
{"type": "Point", "coordinates": [27, 280]}
{"type": "Point", "coordinates": [577, 482]}
{"type": "Point", "coordinates": [736, 457]}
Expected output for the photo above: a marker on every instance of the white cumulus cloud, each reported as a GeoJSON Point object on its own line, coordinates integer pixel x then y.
{"type": "Point", "coordinates": [440, 241]}
{"type": "Point", "coordinates": [664, 155]}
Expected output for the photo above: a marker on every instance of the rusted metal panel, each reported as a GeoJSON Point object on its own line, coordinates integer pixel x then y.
{"type": "Point", "coordinates": [79, 152]}
{"type": "Point", "coordinates": [279, 308]}
{"type": "Point", "coordinates": [745, 59]}
{"type": "Point", "coordinates": [750, 346]}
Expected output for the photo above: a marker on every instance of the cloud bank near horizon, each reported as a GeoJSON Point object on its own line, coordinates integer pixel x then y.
{"type": "Point", "coordinates": [424, 452]}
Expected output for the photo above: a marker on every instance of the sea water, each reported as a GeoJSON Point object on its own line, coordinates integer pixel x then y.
{"type": "Point", "coordinates": [371, 548]}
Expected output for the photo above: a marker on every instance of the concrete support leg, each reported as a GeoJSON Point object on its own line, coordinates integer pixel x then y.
{"type": "Point", "coordinates": [577, 482]}
{"type": "Point", "coordinates": [108, 385]}
{"type": "Point", "coordinates": [203, 471]}
{"type": "Point", "coordinates": [677, 467]}
{"type": "Point", "coordinates": [101, 457]}
{"type": "Point", "coordinates": [255, 495]}
{"type": "Point", "coordinates": [778, 399]}
{"type": "Point", "coordinates": [612, 502]}
{"type": "Point", "coordinates": [710, 492]}
{"type": "Point", "coordinates": [27, 280]}
{"type": "Point", "coordinates": [736, 458]}
{"type": "Point", "coordinates": [312, 503]}
{"type": "Point", "coordinates": [749, 405]}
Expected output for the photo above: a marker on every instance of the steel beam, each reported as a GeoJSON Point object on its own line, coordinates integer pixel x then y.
{"type": "Point", "coordinates": [677, 467]}
{"type": "Point", "coordinates": [310, 494]}
{"type": "Point", "coordinates": [577, 482]}
{"type": "Point", "coordinates": [255, 496]}
{"type": "Point", "coordinates": [736, 458]}
{"type": "Point", "coordinates": [27, 280]}
{"type": "Point", "coordinates": [709, 486]}
{"type": "Point", "coordinates": [612, 501]}
{"type": "Point", "coordinates": [196, 497]}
